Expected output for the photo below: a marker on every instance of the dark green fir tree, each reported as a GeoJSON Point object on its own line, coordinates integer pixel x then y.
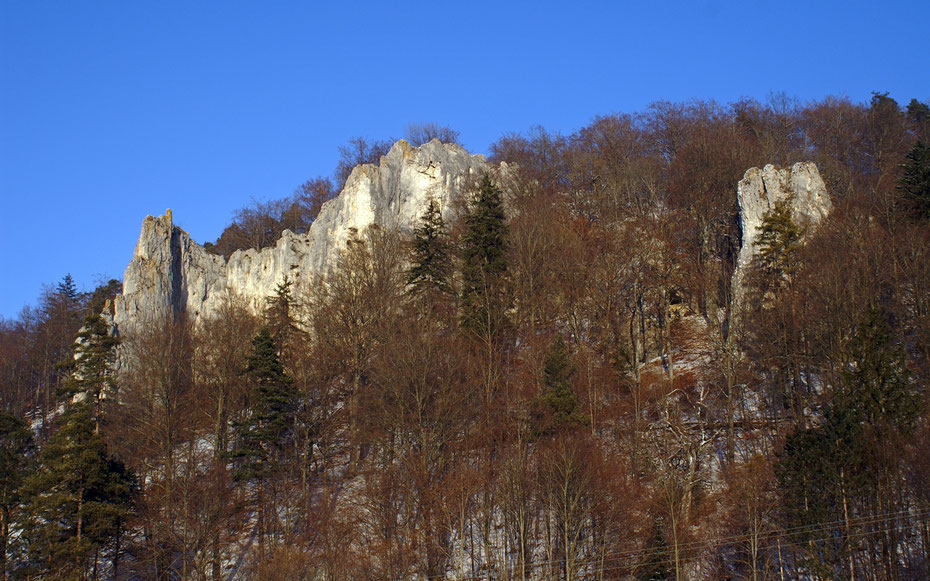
{"type": "Point", "coordinates": [66, 298]}
{"type": "Point", "coordinates": [876, 388]}
{"type": "Point", "coordinates": [78, 500]}
{"type": "Point", "coordinates": [279, 313]}
{"type": "Point", "coordinates": [266, 432]}
{"type": "Point", "coordinates": [484, 264]}
{"type": "Point", "coordinates": [431, 260]}
{"type": "Point", "coordinates": [918, 118]}
{"type": "Point", "coordinates": [830, 473]}
{"type": "Point", "coordinates": [778, 244]}
{"type": "Point", "coordinates": [16, 459]}
{"type": "Point", "coordinates": [779, 241]}
{"type": "Point", "coordinates": [820, 471]}
{"type": "Point", "coordinates": [91, 373]}
{"type": "Point", "coordinates": [556, 408]}
{"type": "Point", "coordinates": [61, 308]}
{"type": "Point", "coordinates": [915, 183]}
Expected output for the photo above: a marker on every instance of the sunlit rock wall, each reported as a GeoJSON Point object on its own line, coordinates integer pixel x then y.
{"type": "Point", "coordinates": [171, 274]}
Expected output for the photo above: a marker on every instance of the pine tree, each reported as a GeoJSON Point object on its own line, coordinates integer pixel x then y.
{"type": "Point", "coordinates": [819, 472]}
{"type": "Point", "coordinates": [830, 472]}
{"type": "Point", "coordinates": [78, 500]}
{"type": "Point", "coordinates": [16, 449]}
{"type": "Point", "coordinates": [279, 313]}
{"type": "Point", "coordinates": [66, 294]}
{"type": "Point", "coordinates": [779, 243]}
{"type": "Point", "coordinates": [915, 183]}
{"type": "Point", "coordinates": [269, 428]}
{"type": "Point", "coordinates": [484, 266]}
{"type": "Point", "coordinates": [431, 270]}
{"type": "Point", "coordinates": [265, 435]}
{"type": "Point", "coordinates": [92, 373]}
{"type": "Point", "coordinates": [876, 388]}
{"type": "Point", "coordinates": [96, 301]}
{"type": "Point", "coordinates": [557, 407]}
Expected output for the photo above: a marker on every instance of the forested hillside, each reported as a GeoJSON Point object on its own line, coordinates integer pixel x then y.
{"type": "Point", "coordinates": [555, 384]}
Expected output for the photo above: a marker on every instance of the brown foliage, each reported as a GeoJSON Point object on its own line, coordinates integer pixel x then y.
{"type": "Point", "coordinates": [415, 454]}
{"type": "Point", "coordinates": [260, 224]}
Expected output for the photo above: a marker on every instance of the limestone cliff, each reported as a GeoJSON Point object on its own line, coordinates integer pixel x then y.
{"type": "Point", "coordinates": [757, 194]}
{"type": "Point", "coordinates": [170, 273]}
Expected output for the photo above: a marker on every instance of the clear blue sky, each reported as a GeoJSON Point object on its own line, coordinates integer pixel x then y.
{"type": "Point", "coordinates": [110, 111]}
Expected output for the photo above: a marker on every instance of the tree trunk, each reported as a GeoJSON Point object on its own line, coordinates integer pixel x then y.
{"type": "Point", "coordinates": [4, 532]}
{"type": "Point", "coordinates": [852, 567]}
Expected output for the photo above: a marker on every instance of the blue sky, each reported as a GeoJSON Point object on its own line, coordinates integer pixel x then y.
{"type": "Point", "coordinates": [110, 111]}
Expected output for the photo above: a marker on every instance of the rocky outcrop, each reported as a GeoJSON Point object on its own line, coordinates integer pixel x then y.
{"type": "Point", "coordinates": [170, 273]}
{"type": "Point", "coordinates": [758, 193]}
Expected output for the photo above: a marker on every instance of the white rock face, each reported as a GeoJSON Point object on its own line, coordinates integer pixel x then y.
{"type": "Point", "coordinates": [760, 190]}
{"type": "Point", "coordinates": [170, 274]}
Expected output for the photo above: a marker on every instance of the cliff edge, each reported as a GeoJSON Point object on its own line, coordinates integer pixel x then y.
{"type": "Point", "coordinates": [171, 274]}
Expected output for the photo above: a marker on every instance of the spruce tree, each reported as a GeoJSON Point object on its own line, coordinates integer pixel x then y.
{"type": "Point", "coordinates": [876, 388]}
{"type": "Point", "coordinates": [62, 306]}
{"type": "Point", "coordinates": [819, 472]}
{"type": "Point", "coordinates": [265, 433]}
{"type": "Point", "coordinates": [66, 294]}
{"type": "Point", "coordinates": [484, 264]}
{"type": "Point", "coordinates": [918, 117]}
{"type": "Point", "coordinates": [778, 245]}
{"type": "Point", "coordinates": [915, 183]}
{"type": "Point", "coordinates": [556, 408]}
{"type": "Point", "coordinates": [279, 313]}
{"type": "Point", "coordinates": [16, 449]}
{"type": "Point", "coordinates": [834, 470]}
{"type": "Point", "coordinates": [78, 499]}
{"type": "Point", "coordinates": [92, 373]}
{"type": "Point", "coordinates": [918, 112]}
{"type": "Point", "coordinates": [779, 241]}
{"type": "Point", "coordinates": [431, 269]}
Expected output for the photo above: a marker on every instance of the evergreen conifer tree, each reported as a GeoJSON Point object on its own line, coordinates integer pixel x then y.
{"type": "Point", "coordinates": [484, 265]}
{"type": "Point", "coordinates": [265, 433]}
{"type": "Point", "coordinates": [825, 472]}
{"type": "Point", "coordinates": [876, 388]}
{"type": "Point", "coordinates": [16, 449]}
{"type": "Point", "coordinates": [918, 117]}
{"type": "Point", "coordinates": [78, 500]}
{"type": "Point", "coordinates": [279, 313]}
{"type": "Point", "coordinates": [92, 369]}
{"type": "Point", "coordinates": [431, 269]}
{"type": "Point", "coordinates": [779, 241]}
{"type": "Point", "coordinates": [915, 183]}
{"type": "Point", "coordinates": [66, 294]}
{"type": "Point", "coordinates": [557, 407]}
{"type": "Point", "coordinates": [61, 308]}
{"type": "Point", "coordinates": [62, 305]}
{"type": "Point", "coordinates": [819, 471]}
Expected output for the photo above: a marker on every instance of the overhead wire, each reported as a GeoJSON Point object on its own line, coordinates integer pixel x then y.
{"type": "Point", "coordinates": [842, 536]}
{"type": "Point", "coordinates": [718, 541]}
